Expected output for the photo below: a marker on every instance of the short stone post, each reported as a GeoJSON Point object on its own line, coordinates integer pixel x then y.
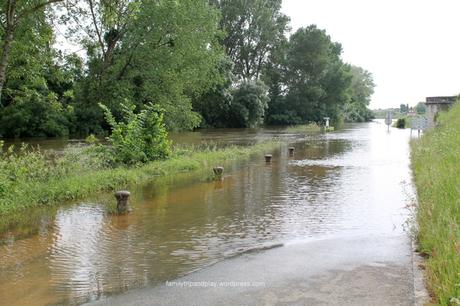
{"type": "Point", "coordinates": [218, 172]}
{"type": "Point", "coordinates": [268, 158]}
{"type": "Point", "coordinates": [122, 200]}
{"type": "Point", "coordinates": [291, 151]}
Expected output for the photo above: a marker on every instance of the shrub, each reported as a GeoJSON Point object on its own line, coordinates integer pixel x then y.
{"type": "Point", "coordinates": [401, 123]}
{"type": "Point", "coordinates": [35, 115]}
{"type": "Point", "coordinates": [140, 137]}
{"type": "Point", "coordinates": [249, 104]}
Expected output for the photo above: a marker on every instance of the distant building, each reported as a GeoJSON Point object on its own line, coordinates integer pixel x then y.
{"type": "Point", "coordinates": [436, 104]}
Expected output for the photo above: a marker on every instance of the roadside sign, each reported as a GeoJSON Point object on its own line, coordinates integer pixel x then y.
{"type": "Point", "coordinates": [415, 123]}
{"type": "Point", "coordinates": [388, 119]}
{"type": "Point", "coordinates": [419, 123]}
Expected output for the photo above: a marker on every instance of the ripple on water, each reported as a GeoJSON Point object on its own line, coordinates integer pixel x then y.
{"type": "Point", "coordinates": [344, 183]}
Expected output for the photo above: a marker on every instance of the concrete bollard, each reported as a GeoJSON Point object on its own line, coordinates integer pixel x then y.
{"type": "Point", "coordinates": [291, 151]}
{"type": "Point", "coordinates": [122, 200]}
{"type": "Point", "coordinates": [268, 158]}
{"type": "Point", "coordinates": [218, 172]}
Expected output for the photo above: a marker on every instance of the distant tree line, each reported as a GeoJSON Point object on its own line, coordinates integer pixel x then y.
{"type": "Point", "coordinates": [216, 63]}
{"type": "Point", "coordinates": [402, 111]}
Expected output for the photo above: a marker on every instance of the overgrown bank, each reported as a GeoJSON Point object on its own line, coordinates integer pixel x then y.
{"type": "Point", "coordinates": [436, 166]}
{"type": "Point", "coordinates": [33, 179]}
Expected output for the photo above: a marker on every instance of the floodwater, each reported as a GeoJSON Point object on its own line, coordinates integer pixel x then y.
{"type": "Point", "coordinates": [219, 137]}
{"type": "Point", "coordinates": [352, 182]}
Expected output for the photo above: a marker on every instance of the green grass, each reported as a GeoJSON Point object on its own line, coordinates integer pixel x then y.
{"type": "Point", "coordinates": [35, 179]}
{"type": "Point", "coordinates": [436, 167]}
{"type": "Point", "coordinates": [304, 128]}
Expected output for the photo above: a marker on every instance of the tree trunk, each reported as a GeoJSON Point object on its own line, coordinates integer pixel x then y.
{"type": "Point", "coordinates": [7, 40]}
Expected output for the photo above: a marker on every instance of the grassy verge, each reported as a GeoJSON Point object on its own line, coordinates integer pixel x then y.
{"type": "Point", "coordinates": [33, 179]}
{"type": "Point", "coordinates": [436, 166]}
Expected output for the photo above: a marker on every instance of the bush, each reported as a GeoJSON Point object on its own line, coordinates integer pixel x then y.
{"type": "Point", "coordinates": [401, 123]}
{"type": "Point", "coordinates": [140, 137]}
{"type": "Point", "coordinates": [249, 104]}
{"type": "Point", "coordinates": [34, 115]}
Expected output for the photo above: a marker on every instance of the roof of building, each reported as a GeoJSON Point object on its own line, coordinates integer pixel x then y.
{"type": "Point", "coordinates": [441, 100]}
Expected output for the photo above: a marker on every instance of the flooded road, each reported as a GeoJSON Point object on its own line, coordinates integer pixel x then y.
{"type": "Point", "coordinates": [354, 182]}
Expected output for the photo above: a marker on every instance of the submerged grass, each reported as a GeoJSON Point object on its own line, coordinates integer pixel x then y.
{"type": "Point", "coordinates": [305, 128]}
{"type": "Point", "coordinates": [436, 167]}
{"type": "Point", "coordinates": [35, 179]}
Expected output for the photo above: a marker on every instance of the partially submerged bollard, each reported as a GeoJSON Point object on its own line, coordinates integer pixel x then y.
{"type": "Point", "coordinates": [218, 172]}
{"type": "Point", "coordinates": [268, 158]}
{"type": "Point", "coordinates": [291, 151]}
{"type": "Point", "coordinates": [122, 200]}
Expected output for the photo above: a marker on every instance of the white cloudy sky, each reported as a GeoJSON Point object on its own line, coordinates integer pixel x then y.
{"type": "Point", "coordinates": [412, 47]}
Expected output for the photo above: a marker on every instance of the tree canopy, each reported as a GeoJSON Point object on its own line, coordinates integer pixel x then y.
{"type": "Point", "coordinates": [214, 63]}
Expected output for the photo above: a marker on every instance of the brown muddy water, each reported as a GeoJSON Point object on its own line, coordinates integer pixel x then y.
{"type": "Point", "coordinates": [219, 137]}
{"type": "Point", "coordinates": [355, 181]}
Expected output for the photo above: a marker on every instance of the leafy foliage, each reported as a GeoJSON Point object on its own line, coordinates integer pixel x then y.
{"type": "Point", "coordinates": [214, 105]}
{"type": "Point", "coordinates": [32, 114]}
{"type": "Point", "coordinates": [162, 52]}
{"type": "Point", "coordinates": [308, 80]}
{"type": "Point", "coordinates": [249, 104]}
{"type": "Point", "coordinates": [404, 108]}
{"type": "Point", "coordinates": [253, 30]}
{"type": "Point", "coordinates": [361, 90]}
{"type": "Point", "coordinates": [140, 137]}
{"type": "Point", "coordinates": [420, 108]}
{"type": "Point", "coordinates": [215, 63]}
{"type": "Point", "coordinates": [401, 123]}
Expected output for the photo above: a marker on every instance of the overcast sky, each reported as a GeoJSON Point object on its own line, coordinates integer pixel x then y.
{"type": "Point", "coordinates": [412, 47]}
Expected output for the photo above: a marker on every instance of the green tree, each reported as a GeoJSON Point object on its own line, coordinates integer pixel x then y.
{"type": "Point", "coordinates": [315, 79]}
{"type": "Point", "coordinates": [214, 105]}
{"type": "Point", "coordinates": [161, 52]}
{"type": "Point", "coordinates": [361, 90]}
{"type": "Point", "coordinates": [37, 94]}
{"type": "Point", "coordinates": [248, 105]}
{"type": "Point", "coordinates": [17, 16]}
{"type": "Point", "coordinates": [420, 108]}
{"type": "Point", "coordinates": [253, 30]}
{"type": "Point", "coordinates": [404, 108]}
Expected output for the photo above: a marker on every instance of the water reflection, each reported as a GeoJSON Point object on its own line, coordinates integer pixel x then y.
{"type": "Point", "coordinates": [344, 183]}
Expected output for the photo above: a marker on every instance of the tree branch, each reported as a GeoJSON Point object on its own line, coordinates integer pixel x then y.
{"type": "Point", "coordinates": [34, 9]}
{"type": "Point", "coordinates": [99, 37]}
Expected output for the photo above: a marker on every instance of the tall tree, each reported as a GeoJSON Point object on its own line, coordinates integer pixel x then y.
{"type": "Point", "coordinates": [253, 29]}
{"type": "Point", "coordinates": [162, 52]}
{"type": "Point", "coordinates": [100, 26]}
{"type": "Point", "coordinates": [13, 15]}
{"type": "Point", "coordinates": [315, 76]}
{"type": "Point", "coordinates": [361, 90]}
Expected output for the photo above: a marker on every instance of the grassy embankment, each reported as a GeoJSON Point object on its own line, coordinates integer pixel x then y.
{"type": "Point", "coordinates": [34, 179]}
{"type": "Point", "coordinates": [436, 166]}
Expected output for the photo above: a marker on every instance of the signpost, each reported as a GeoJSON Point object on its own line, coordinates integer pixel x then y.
{"type": "Point", "coordinates": [389, 120]}
{"type": "Point", "coordinates": [419, 124]}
